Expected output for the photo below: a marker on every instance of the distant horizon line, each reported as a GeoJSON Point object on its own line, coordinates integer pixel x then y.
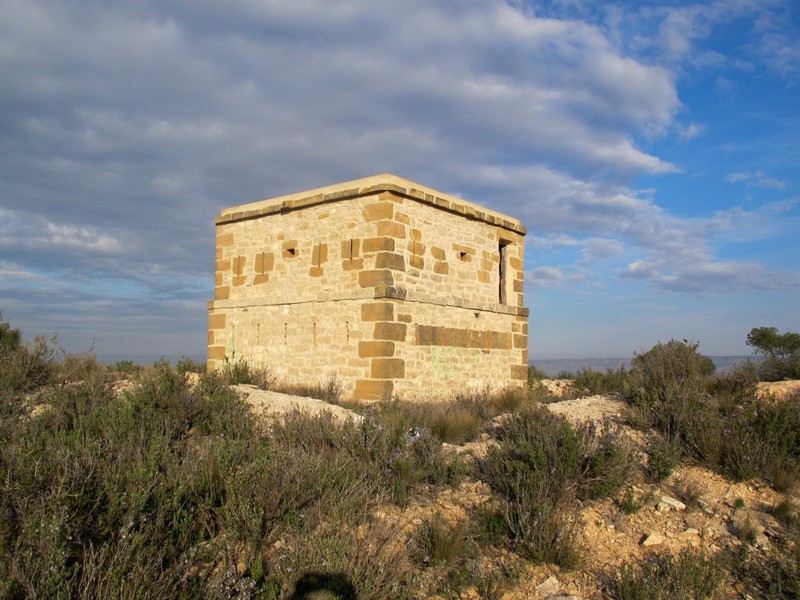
{"type": "Point", "coordinates": [106, 357]}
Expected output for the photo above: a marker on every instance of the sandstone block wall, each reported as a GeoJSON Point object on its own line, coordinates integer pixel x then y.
{"type": "Point", "coordinates": [392, 287]}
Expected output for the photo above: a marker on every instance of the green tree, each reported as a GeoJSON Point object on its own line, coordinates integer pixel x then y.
{"type": "Point", "coordinates": [781, 352]}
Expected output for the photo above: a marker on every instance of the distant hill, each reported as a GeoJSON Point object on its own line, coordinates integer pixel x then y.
{"type": "Point", "coordinates": [554, 366]}
{"type": "Point", "coordinates": [149, 359]}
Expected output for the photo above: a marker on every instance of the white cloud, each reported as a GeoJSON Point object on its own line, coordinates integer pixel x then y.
{"type": "Point", "coordinates": [547, 276]}
{"type": "Point", "coordinates": [690, 131]}
{"type": "Point", "coordinates": [13, 272]}
{"type": "Point", "coordinates": [756, 179]}
{"type": "Point", "coordinates": [19, 231]}
{"type": "Point", "coordinates": [710, 276]}
{"type": "Point", "coordinates": [597, 249]}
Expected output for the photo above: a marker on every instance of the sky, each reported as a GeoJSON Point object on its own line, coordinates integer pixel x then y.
{"type": "Point", "coordinates": [651, 149]}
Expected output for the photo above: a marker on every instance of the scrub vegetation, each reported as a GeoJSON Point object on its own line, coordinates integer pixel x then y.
{"type": "Point", "coordinates": [169, 487]}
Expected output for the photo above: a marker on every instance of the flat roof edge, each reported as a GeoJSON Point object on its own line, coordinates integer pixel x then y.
{"type": "Point", "coordinates": [364, 187]}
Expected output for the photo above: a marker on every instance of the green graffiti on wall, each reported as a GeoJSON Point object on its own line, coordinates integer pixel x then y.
{"type": "Point", "coordinates": [447, 361]}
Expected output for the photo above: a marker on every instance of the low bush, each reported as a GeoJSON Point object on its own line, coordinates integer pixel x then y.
{"type": "Point", "coordinates": [663, 456]}
{"type": "Point", "coordinates": [438, 542]}
{"type": "Point", "coordinates": [127, 368]}
{"type": "Point", "coordinates": [688, 491]}
{"type": "Point", "coordinates": [80, 367]}
{"type": "Point", "coordinates": [595, 382]}
{"type": "Point", "coordinates": [535, 374]}
{"type": "Point", "coordinates": [24, 366]}
{"type": "Point", "coordinates": [540, 465]}
{"type": "Point", "coordinates": [772, 576]}
{"type": "Point", "coordinates": [487, 405]}
{"type": "Point", "coordinates": [629, 503]}
{"type": "Point", "coordinates": [690, 574]}
{"type": "Point", "coordinates": [539, 394]}
{"type": "Point", "coordinates": [329, 389]}
{"type": "Point", "coordinates": [343, 564]}
{"type": "Point", "coordinates": [667, 384]}
{"type": "Point", "coordinates": [787, 512]}
{"type": "Point", "coordinates": [735, 386]}
{"type": "Point", "coordinates": [453, 426]}
{"type": "Point", "coordinates": [457, 421]}
{"type": "Point", "coordinates": [492, 527]}
{"type": "Point", "coordinates": [188, 365]}
{"type": "Point", "coordinates": [242, 371]}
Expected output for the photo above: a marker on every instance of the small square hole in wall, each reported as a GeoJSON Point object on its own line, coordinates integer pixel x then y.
{"type": "Point", "coordinates": [290, 252]}
{"type": "Point", "coordinates": [464, 256]}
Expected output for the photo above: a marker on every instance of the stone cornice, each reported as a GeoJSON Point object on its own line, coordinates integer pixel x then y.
{"type": "Point", "coordinates": [369, 186]}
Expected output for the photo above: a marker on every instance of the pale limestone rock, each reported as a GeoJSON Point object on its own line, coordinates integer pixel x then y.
{"type": "Point", "coordinates": [548, 587]}
{"type": "Point", "coordinates": [653, 539]}
{"type": "Point", "coordinates": [668, 503]}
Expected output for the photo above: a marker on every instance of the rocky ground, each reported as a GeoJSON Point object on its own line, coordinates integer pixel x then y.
{"type": "Point", "coordinates": [694, 507]}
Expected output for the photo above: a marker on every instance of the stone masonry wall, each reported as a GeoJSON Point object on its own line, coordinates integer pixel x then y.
{"type": "Point", "coordinates": [388, 287]}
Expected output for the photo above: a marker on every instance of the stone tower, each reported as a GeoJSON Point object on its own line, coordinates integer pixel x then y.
{"type": "Point", "coordinates": [394, 288]}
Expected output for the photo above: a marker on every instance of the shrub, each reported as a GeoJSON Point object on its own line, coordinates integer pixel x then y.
{"type": "Point", "coordinates": [735, 387]}
{"type": "Point", "coordinates": [595, 382]}
{"type": "Point", "coordinates": [80, 367]}
{"type": "Point", "coordinates": [539, 394]}
{"type": "Point", "coordinates": [540, 527]}
{"type": "Point", "coordinates": [688, 491]}
{"type": "Point", "coordinates": [589, 381]}
{"type": "Point", "coordinates": [188, 365]}
{"type": "Point", "coordinates": [667, 382]}
{"type": "Point", "coordinates": [103, 490]}
{"type": "Point", "coordinates": [329, 389]}
{"type": "Point", "coordinates": [486, 406]}
{"type": "Point", "coordinates": [690, 574]}
{"type": "Point", "coordinates": [173, 487]}
{"type": "Point", "coordinates": [438, 542]}
{"type": "Point", "coordinates": [127, 368]}
{"type": "Point", "coordinates": [509, 400]}
{"type": "Point", "coordinates": [374, 566]}
{"type": "Point", "coordinates": [774, 575]}
{"type": "Point", "coordinates": [453, 422]}
{"type": "Point", "coordinates": [535, 374]}
{"type": "Point", "coordinates": [454, 427]}
{"type": "Point", "coordinates": [382, 451]}
{"type": "Point", "coordinates": [242, 371]}
{"type": "Point", "coordinates": [492, 525]}
{"type": "Point", "coordinates": [24, 367]}
{"type": "Point", "coordinates": [663, 457]}
{"type": "Point", "coordinates": [786, 511]}
{"type": "Point", "coordinates": [629, 503]}
{"type": "Point", "coordinates": [540, 465]}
